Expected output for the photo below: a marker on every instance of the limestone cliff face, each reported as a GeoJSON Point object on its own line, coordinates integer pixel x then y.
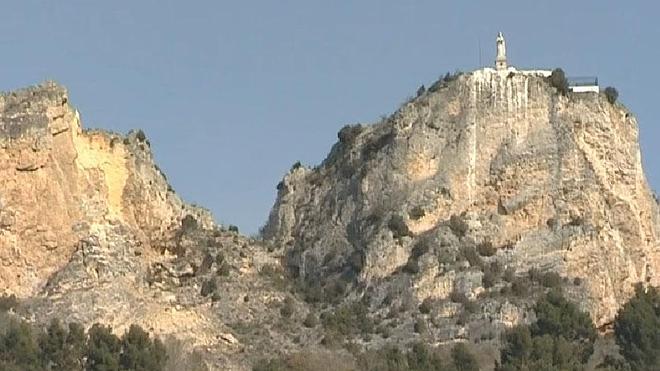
{"type": "Point", "coordinates": [91, 232]}
{"type": "Point", "coordinates": [60, 183]}
{"type": "Point", "coordinates": [496, 162]}
{"type": "Point", "coordinates": [553, 182]}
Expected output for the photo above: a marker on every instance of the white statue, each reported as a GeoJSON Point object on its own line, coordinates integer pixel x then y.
{"type": "Point", "coordinates": [500, 60]}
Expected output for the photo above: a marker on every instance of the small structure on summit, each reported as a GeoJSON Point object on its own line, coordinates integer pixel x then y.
{"type": "Point", "coordinates": [583, 84]}
{"type": "Point", "coordinates": [587, 84]}
{"type": "Point", "coordinates": [500, 60]}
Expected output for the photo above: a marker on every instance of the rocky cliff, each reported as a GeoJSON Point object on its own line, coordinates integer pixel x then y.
{"type": "Point", "coordinates": [441, 223]}
{"type": "Point", "coordinates": [90, 231]}
{"type": "Point", "coordinates": [497, 161]}
{"type": "Point", "coordinates": [59, 184]}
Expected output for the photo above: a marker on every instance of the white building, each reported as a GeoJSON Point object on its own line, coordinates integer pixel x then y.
{"type": "Point", "coordinates": [583, 85]}
{"type": "Point", "coordinates": [575, 84]}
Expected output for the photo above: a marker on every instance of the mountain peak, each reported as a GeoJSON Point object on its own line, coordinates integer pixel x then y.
{"type": "Point", "coordinates": [550, 180]}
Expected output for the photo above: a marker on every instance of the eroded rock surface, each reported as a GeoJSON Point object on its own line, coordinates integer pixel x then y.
{"type": "Point", "coordinates": [441, 223]}
{"type": "Point", "coordinates": [59, 182]}
{"type": "Point", "coordinates": [90, 231]}
{"type": "Point", "coordinates": [491, 158]}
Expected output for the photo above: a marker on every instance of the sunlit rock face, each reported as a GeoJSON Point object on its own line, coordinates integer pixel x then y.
{"type": "Point", "coordinates": [491, 157]}
{"type": "Point", "coordinates": [91, 232]}
{"type": "Point", "coordinates": [59, 184]}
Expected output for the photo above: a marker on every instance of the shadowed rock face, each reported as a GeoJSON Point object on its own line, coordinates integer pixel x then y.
{"type": "Point", "coordinates": [59, 184]}
{"type": "Point", "coordinates": [552, 182]}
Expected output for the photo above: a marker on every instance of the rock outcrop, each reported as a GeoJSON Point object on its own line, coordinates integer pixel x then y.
{"type": "Point", "coordinates": [60, 183]}
{"type": "Point", "coordinates": [487, 158]}
{"type": "Point", "coordinates": [90, 231]}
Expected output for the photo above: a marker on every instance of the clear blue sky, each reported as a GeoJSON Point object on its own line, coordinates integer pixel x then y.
{"type": "Point", "coordinates": [232, 93]}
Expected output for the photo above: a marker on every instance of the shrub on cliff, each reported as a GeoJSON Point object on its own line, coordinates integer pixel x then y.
{"type": "Point", "coordinates": [443, 81]}
{"type": "Point", "coordinates": [421, 91]}
{"type": "Point", "coordinates": [611, 94]}
{"type": "Point", "coordinates": [188, 224]}
{"type": "Point", "coordinates": [458, 226]}
{"type": "Point", "coordinates": [208, 287]}
{"type": "Point", "coordinates": [463, 358]}
{"type": "Point", "coordinates": [399, 227]}
{"type": "Point", "coordinates": [416, 213]}
{"type": "Point", "coordinates": [8, 302]}
{"type": "Point", "coordinates": [426, 306]}
{"type": "Point", "coordinates": [546, 279]}
{"type": "Point", "coordinates": [469, 253]}
{"type": "Point", "coordinates": [349, 319]}
{"type": "Point", "coordinates": [491, 275]}
{"type": "Point", "coordinates": [558, 316]}
{"type": "Point", "coordinates": [311, 320]}
{"type": "Point", "coordinates": [486, 249]}
{"type": "Point", "coordinates": [558, 80]}
{"type": "Point", "coordinates": [288, 307]}
{"type": "Point", "coordinates": [348, 133]}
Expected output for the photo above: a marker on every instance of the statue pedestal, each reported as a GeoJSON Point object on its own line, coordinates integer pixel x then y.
{"type": "Point", "coordinates": [500, 64]}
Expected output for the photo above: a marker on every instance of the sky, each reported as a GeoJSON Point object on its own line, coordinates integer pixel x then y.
{"type": "Point", "coordinates": [232, 93]}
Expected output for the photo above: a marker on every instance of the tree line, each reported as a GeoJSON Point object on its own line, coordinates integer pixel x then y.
{"type": "Point", "coordinates": [59, 347]}
{"type": "Point", "coordinates": [561, 339]}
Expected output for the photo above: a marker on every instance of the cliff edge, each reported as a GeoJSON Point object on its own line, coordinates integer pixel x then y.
{"type": "Point", "coordinates": [60, 183]}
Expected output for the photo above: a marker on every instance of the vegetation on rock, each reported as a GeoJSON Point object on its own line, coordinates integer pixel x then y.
{"type": "Point", "coordinates": [637, 329]}
{"type": "Point", "coordinates": [558, 80]}
{"type": "Point", "coordinates": [56, 347]}
{"type": "Point", "coordinates": [562, 338]}
{"type": "Point", "coordinates": [611, 94]}
{"type": "Point", "coordinates": [420, 357]}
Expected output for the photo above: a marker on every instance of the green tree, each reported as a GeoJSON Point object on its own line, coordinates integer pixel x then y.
{"type": "Point", "coordinates": [420, 357]}
{"type": "Point", "coordinates": [75, 346]}
{"type": "Point", "coordinates": [52, 345]}
{"type": "Point", "coordinates": [103, 349]}
{"type": "Point", "coordinates": [559, 81]}
{"type": "Point", "coordinates": [516, 350]}
{"type": "Point", "coordinates": [8, 302]}
{"type": "Point", "coordinates": [140, 353]}
{"type": "Point", "coordinates": [463, 359]}
{"type": "Point", "coordinates": [637, 329]}
{"type": "Point", "coordinates": [18, 348]}
{"type": "Point", "coordinates": [562, 338]}
{"type": "Point", "coordinates": [611, 94]}
{"type": "Point", "coordinates": [270, 365]}
{"type": "Point", "coordinates": [557, 316]}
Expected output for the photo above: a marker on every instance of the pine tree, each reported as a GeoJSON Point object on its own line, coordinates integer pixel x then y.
{"type": "Point", "coordinates": [637, 329]}
{"type": "Point", "coordinates": [140, 353]}
{"type": "Point", "coordinates": [103, 349]}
